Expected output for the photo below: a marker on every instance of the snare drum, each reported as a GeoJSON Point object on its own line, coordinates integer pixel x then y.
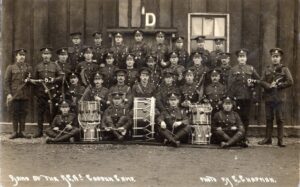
{"type": "Point", "coordinates": [89, 117]}
{"type": "Point", "coordinates": [201, 120]}
{"type": "Point", "coordinates": [201, 114]}
{"type": "Point", "coordinates": [143, 118]}
{"type": "Point", "coordinates": [201, 134]}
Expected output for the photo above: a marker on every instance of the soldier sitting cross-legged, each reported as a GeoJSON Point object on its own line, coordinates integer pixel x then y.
{"type": "Point", "coordinates": [64, 126]}
{"type": "Point", "coordinates": [227, 127]}
{"type": "Point", "coordinates": [117, 117]}
{"type": "Point", "coordinates": [174, 124]}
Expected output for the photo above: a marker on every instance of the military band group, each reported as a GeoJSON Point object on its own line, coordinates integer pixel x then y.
{"type": "Point", "coordinates": [113, 77]}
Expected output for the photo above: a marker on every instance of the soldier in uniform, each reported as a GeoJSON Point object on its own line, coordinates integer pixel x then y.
{"type": "Point", "coordinates": [87, 68]}
{"type": "Point", "coordinates": [16, 87]}
{"type": "Point", "coordinates": [155, 76]}
{"type": "Point", "coordinates": [132, 73]}
{"type": "Point", "coordinates": [225, 68]}
{"type": "Point", "coordinates": [199, 68]}
{"type": "Point", "coordinates": [109, 70]}
{"type": "Point", "coordinates": [121, 87]}
{"type": "Point", "coordinates": [139, 49]}
{"type": "Point", "coordinates": [117, 118]}
{"type": "Point", "coordinates": [97, 92]}
{"type": "Point", "coordinates": [183, 55]}
{"type": "Point", "coordinates": [275, 79]}
{"type": "Point", "coordinates": [215, 55]}
{"type": "Point", "coordinates": [200, 41]}
{"type": "Point", "coordinates": [165, 89]}
{"type": "Point", "coordinates": [99, 50]}
{"type": "Point", "coordinates": [119, 50]}
{"type": "Point", "coordinates": [190, 90]}
{"type": "Point", "coordinates": [215, 92]}
{"type": "Point", "coordinates": [227, 127]}
{"type": "Point", "coordinates": [47, 73]}
{"type": "Point", "coordinates": [63, 61]}
{"type": "Point", "coordinates": [144, 88]}
{"type": "Point", "coordinates": [75, 51]}
{"type": "Point", "coordinates": [173, 123]}
{"type": "Point", "coordinates": [74, 91]}
{"type": "Point", "coordinates": [176, 68]}
{"type": "Point", "coordinates": [64, 126]}
{"type": "Point", "coordinates": [239, 86]}
{"type": "Point", "coordinates": [66, 68]}
{"type": "Point", "coordinates": [160, 48]}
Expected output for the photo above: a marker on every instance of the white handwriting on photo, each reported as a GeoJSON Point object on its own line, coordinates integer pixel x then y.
{"type": "Point", "coordinates": [236, 180]}
{"type": "Point", "coordinates": [70, 179]}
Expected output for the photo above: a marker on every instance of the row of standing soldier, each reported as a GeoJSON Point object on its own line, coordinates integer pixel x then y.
{"type": "Point", "coordinates": [190, 76]}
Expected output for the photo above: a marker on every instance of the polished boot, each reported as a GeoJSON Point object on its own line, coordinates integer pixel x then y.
{"type": "Point", "coordinates": [222, 135]}
{"type": "Point", "coordinates": [268, 139]}
{"type": "Point", "coordinates": [39, 131]}
{"type": "Point", "coordinates": [182, 132]}
{"type": "Point", "coordinates": [22, 129]}
{"type": "Point", "coordinates": [236, 138]}
{"type": "Point", "coordinates": [280, 135]}
{"type": "Point", "coordinates": [167, 134]}
{"type": "Point", "coordinates": [15, 130]}
{"type": "Point", "coordinates": [118, 135]}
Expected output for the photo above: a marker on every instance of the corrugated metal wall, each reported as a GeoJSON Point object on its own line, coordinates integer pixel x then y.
{"type": "Point", "coordinates": [255, 24]}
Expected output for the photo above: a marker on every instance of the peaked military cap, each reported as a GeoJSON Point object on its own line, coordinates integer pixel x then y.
{"type": "Point", "coordinates": [21, 51]}
{"type": "Point", "coordinates": [63, 50]}
{"type": "Point", "coordinates": [97, 34]}
{"type": "Point", "coordinates": [276, 51]}
{"type": "Point", "coordinates": [76, 34]}
{"type": "Point", "coordinates": [219, 40]}
{"type": "Point", "coordinates": [200, 39]}
{"type": "Point", "coordinates": [46, 50]}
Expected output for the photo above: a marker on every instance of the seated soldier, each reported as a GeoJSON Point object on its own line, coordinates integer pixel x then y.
{"type": "Point", "coordinates": [155, 76]}
{"type": "Point", "coordinates": [176, 68]}
{"type": "Point", "coordinates": [117, 118]}
{"type": "Point", "coordinates": [74, 91]}
{"type": "Point", "coordinates": [174, 122]}
{"type": "Point", "coordinates": [132, 73]}
{"type": "Point", "coordinates": [214, 92]}
{"type": "Point", "coordinates": [167, 87]}
{"type": "Point", "coordinates": [199, 67]}
{"type": "Point", "coordinates": [109, 69]}
{"type": "Point", "coordinates": [144, 88]}
{"type": "Point", "coordinates": [227, 127]}
{"type": "Point", "coordinates": [97, 92]}
{"type": "Point", "coordinates": [190, 90]}
{"type": "Point", "coordinates": [121, 87]}
{"type": "Point", "coordinates": [64, 126]}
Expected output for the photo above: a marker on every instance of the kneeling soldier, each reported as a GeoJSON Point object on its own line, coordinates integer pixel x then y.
{"type": "Point", "coordinates": [117, 117]}
{"type": "Point", "coordinates": [64, 126]}
{"type": "Point", "coordinates": [173, 122]}
{"type": "Point", "coordinates": [227, 127]}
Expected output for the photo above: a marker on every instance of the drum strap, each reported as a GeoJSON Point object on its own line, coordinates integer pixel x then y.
{"type": "Point", "coordinates": [140, 88]}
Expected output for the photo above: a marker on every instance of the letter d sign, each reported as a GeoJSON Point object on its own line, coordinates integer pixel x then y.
{"type": "Point", "coordinates": [150, 20]}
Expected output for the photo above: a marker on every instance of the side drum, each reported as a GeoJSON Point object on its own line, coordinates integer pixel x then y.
{"type": "Point", "coordinates": [89, 118]}
{"type": "Point", "coordinates": [201, 123]}
{"type": "Point", "coordinates": [143, 118]}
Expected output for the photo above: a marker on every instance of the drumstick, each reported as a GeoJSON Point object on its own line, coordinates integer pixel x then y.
{"type": "Point", "coordinates": [64, 132]}
{"type": "Point", "coordinates": [61, 131]}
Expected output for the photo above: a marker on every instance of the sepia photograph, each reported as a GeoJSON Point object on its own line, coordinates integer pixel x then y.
{"type": "Point", "coordinates": [148, 93]}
